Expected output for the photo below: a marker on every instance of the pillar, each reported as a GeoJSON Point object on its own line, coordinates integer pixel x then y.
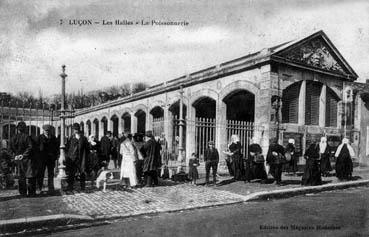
{"type": "Point", "coordinates": [322, 106]}
{"type": "Point", "coordinates": [101, 129]}
{"type": "Point", "coordinates": [120, 125]}
{"type": "Point", "coordinates": [133, 123]}
{"type": "Point", "coordinates": [302, 102]}
{"type": "Point", "coordinates": [168, 128]}
{"type": "Point", "coordinates": [221, 142]}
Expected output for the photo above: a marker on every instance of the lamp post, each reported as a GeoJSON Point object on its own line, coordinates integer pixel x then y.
{"type": "Point", "coordinates": [181, 124]}
{"type": "Point", "coordinates": [61, 166]}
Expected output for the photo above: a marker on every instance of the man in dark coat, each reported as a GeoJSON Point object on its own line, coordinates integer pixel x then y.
{"type": "Point", "coordinates": [77, 157]}
{"type": "Point", "coordinates": [21, 146]}
{"type": "Point", "coordinates": [211, 161]}
{"type": "Point", "coordinates": [106, 148]}
{"type": "Point", "coordinates": [275, 158]}
{"type": "Point", "coordinates": [151, 161]}
{"type": "Point", "coordinates": [48, 154]}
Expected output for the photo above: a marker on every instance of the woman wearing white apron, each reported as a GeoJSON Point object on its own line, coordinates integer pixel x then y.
{"type": "Point", "coordinates": [129, 156]}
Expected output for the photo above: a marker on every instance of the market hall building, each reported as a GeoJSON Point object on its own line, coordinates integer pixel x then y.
{"type": "Point", "coordinates": [302, 89]}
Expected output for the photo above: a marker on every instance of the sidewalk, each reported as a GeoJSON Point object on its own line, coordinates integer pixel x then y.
{"type": "Point", "coordinates": [18, 213]}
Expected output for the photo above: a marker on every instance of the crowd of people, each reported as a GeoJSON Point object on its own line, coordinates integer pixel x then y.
{"type": "Point", "coordinates": [278, 159]}
{"type": "Point", "coordinates": [139, 159]}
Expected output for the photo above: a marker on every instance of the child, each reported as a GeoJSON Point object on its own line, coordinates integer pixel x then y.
{"type": "Point", "coordinates": [193, 173]}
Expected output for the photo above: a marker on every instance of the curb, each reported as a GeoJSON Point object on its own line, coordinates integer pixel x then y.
{"type": "Point", "coordinates": [282, 193]}
{"type": "Point", "coordinates": [67, 221]}
{"type": "Point", "coordinates": [16, 225]}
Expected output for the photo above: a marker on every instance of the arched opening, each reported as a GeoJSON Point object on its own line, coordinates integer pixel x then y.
{"type": "Point", "coordinates": [240, 114]}
{"type": "Point", "coordinates": [141, 121]}
{"type": "Point", "coordinates": [157, 114]}
{"type": "Point", "coordinates": [205, 109]}
{"type": "Point", "coordinates": [174, 112]}
{"type": "Point", "coordinates": [82, 126]}
{"type": "Point", "coordinates": [96, 128]}
{"type": "Point", "coordinates": [88, 123]}
{"type": "Point", "coordinates": [104, 123]}
{"type": "Point", "coordinates": [126, 119]}
{"type": "Point", "coordinates": [115, 124]}
{"type": "Point", "coordinates": [9, 130]}
{"type": "Point", "coordinates": [290, 103]}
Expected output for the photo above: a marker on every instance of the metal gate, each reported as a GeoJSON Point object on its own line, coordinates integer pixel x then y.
{"type": "Point", "coordinates": [204, 132]}
{"type": "Point", "coordinates": [244, 130]}
{"type": "Point", "coordinates": [158, 126]}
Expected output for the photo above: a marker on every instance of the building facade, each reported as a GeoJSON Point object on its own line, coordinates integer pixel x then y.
{"type": "Point", "coordinates": [302, 89]}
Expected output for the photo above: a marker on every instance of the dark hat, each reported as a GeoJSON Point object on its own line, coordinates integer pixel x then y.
{"type": "Point", "coordinates": [46, 127]}
{"type": "Point", "coordinates": [76, 126]}
{"type": "Point", "coordinates": [211, 143]}
{"type": "Point", "coordinates": [149, 133]}
{"type": "Point", "coordinates": [21, 126]}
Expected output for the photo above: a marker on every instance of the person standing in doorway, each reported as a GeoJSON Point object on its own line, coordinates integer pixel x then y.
{"type": "Point", "coordinates": [22, 146]}
{"type": "Point", "coordinates": [77, 158]}
{"type": "Point", "coordinates": [290, 151]}
{"type": "Point", "coordinates": [48, 154]}
{"type": "Point", "coordinates": [211, 159]}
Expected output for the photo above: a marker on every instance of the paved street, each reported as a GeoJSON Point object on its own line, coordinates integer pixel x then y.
{"type": "Point", "coordinates": [338, 213]}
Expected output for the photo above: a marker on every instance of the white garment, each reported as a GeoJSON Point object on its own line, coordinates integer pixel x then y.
{"type": "Point", "coordinates": [322, 145]}
{"type": "Point", "coordinates": [128, 168]}
{"type": "Point", "coordinates": [349, 147]}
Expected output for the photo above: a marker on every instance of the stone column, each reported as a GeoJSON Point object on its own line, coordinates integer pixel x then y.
{"type": "Point", "coordinates": [148, 120]}
{"type": "Point", "coordinates": [85, 129]}
{"type": "Point", "coordinates": [322, 106]}
{"type": "Point", "coordinates": [221, 142]}
{"type": "Point", "coordinates": [168, 128]}
{"type": "Point", "coordinates": [133, 123]}
{"type": "Point", "coordinates": [101, 129]}
{"type": "Point", "coordinates": [190, 132]}
{"type": "Point", "coordinates": [302, 102]}
{"type": "Point", "coordinates": [120, 125]}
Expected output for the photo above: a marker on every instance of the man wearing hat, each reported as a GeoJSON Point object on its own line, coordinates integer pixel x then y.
{"type": "Point", "coordinates": [151, 161]}
{"type": "Point", "coordinates": [21, 146]}
{"type": "Point", "coordinates": [48, 154]}
{"type": "Point", "coordinates": [77, 157]}
{"type": "Point", "coordinates": [106, 148]}
{"type": "Point", "coordinates": [211, 161]}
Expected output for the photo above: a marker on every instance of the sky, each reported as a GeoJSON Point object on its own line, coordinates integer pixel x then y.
{"type": "Point", "coordinates": [36, 38]}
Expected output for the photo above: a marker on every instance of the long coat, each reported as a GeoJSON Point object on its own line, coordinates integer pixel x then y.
{"type": "Point", "coordinates": [312, 175]}
{"type": "Point", "coordinates": [22, 144]}
{"type": "Point", "coordinates": [78, 152]}
{"type": "Point", "coordinates": [105, 146]}
{"type": "Point", "coordinates": [151, 161]}
{"type": "Point", "coordinates": [48, 148]}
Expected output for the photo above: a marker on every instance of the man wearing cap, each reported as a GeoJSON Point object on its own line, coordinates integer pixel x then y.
{"type": "Point", "coordinates": [151, 161]}
{"type": "Point", "coordinates": [48, 154]}
{"type": "Point", "coordinates": [77, 157]}
{"type": "Point", "coordinates": [21, 146]}
{"type": "Point", "coordinates": [211, 161]}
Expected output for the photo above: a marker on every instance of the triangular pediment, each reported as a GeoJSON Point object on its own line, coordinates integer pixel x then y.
{"type": "Point", "coordinates": [318, 52]}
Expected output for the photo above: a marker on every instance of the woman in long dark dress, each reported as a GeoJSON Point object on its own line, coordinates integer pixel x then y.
{"type": "Point", "coordinates": [325, 154]}
{"type": "Point", "coordinates": [344, 164]}
{"type": "Point", "coordinates": [312, 175]}
{"type": "Point", "coordinates": [257, 159]}
{"type": "Point", "coordinates": [236, 156]}
{"type": "Point", "coordinates": [94, 160]}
